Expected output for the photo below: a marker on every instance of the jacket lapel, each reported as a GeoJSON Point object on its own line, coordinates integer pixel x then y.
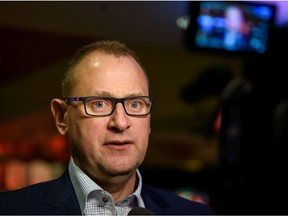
{"type": "Point", "coordinates": [153, 201]}
{"type": "Point", "coordinates": [61, 198]}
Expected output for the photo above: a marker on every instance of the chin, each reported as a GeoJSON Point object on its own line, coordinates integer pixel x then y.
{"type": "Point", "coordinates": [121, 171]}
{"type": "Point", "coordinates": [114, 173]}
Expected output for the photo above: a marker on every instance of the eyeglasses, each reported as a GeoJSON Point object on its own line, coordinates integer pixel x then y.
{"type": "Point", "coordinates": [105, 106]}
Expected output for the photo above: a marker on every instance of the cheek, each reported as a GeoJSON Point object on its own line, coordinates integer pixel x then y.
{"type": "Point", "coordinates": [144, 133]}
{"type": "Point", "coordinates": [90, 130]}
{"type": "Point", "coordinates": [85, 138]}
{"type": "Point", "coordinates": [144, 130]}
{"type": "Point", "coordinates": [84, 131]}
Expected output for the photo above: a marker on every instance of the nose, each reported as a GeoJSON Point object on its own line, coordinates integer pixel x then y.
{"type": "Point", "coordinates": [119, 119]}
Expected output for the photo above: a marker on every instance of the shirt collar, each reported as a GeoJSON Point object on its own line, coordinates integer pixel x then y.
{"type": "Point", "coordinates": [83, 185]}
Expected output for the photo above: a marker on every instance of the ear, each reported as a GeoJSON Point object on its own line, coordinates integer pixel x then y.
{"type": "Point", "coordinates": [59, 108]}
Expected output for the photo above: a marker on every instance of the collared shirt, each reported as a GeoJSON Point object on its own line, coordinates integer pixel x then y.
{"type": "Point", "coordinates": [93, 200]}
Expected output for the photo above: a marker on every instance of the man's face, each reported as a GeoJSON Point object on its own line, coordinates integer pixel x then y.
{"type": "Point", "coordinates": [111, 145]}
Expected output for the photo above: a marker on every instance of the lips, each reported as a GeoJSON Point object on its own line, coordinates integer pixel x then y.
{"type": "Point", "coordinates": [118, 145]}
{"type": "Point", "coordinates": [118, 142]}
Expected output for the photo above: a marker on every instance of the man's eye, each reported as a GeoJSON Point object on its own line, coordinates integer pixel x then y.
{"type": "Point", "coordinates": [134, 105]}
{"type": "Point", "coordinates": [99, 104]}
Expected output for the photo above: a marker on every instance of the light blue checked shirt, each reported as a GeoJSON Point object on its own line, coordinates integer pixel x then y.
{"type": "Point", "coordinates": [93, 200]}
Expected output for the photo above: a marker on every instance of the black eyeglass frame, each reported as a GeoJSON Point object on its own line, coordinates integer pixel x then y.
{"type": "Point", "coordinates": [68, 101]}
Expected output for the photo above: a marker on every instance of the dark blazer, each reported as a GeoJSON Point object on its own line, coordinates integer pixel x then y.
{"type": "Point", "coordinates": [58, 197]}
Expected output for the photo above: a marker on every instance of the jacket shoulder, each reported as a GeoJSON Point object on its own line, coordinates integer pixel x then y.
{"type": "Point", "coordinates": [20, 201]}
{"type": "Point", "coordinates": [166, 202]}
{"type": "Point", "coordinates": [51, 197]}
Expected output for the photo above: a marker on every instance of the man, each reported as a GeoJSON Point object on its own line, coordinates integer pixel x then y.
{"type": "Point", "coordinates": [105, 114]}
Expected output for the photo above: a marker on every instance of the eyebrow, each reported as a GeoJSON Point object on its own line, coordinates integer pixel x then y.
{"type": "Point", "coordinates": [108, 94]}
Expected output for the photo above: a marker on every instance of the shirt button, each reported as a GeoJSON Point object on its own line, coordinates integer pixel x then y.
{"type": "Point", "coordinates": [105, 199]}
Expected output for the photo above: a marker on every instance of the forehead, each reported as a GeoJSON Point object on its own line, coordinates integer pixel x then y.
{"type": "Point", "coordinates": [109, 73]}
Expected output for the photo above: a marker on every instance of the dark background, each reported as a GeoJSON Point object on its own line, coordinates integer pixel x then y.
{"type": "Point", "coordinates": [240, 167]}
